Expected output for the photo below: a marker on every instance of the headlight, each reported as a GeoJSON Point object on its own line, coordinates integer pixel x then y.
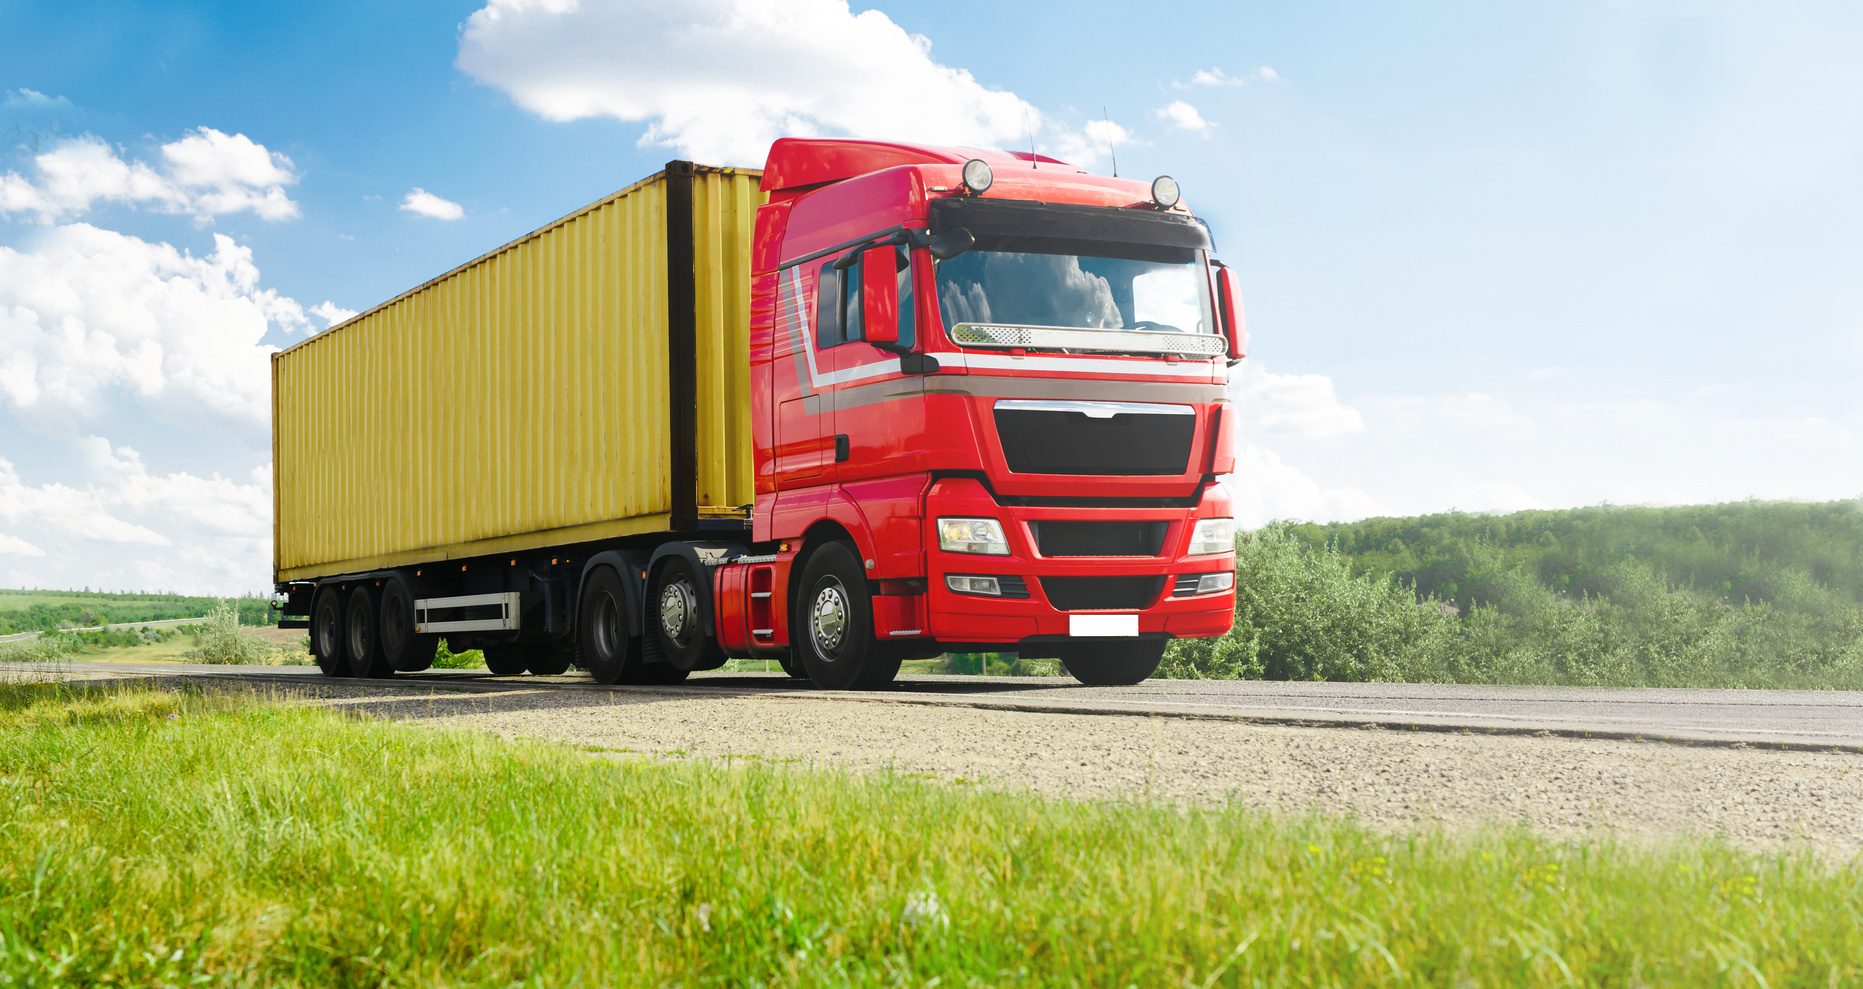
{"type": "Point", "coordinates": [974, 585]}
{"type": "Point", "coordinates": [972, 536]}
{"type": "Point", "coordinates": [1210, 583]}
{"type": "Point", "coordinates": [1213, 536]}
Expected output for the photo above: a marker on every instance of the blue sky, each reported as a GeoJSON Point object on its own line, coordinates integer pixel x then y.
{"type": "Point", "coordinates": [1496, 256]}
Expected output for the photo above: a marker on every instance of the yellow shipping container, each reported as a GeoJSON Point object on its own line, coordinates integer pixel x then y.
{"type": "Point", "coordinates": [586, 381]}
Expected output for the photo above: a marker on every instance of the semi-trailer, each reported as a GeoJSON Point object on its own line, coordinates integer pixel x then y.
{"type": "Point", "coordinates": [874, 402]}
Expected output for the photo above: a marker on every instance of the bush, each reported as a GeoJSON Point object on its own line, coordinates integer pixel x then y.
{"type": "Point", "coordinates": [222, 642]}
{"type": "Point", "coordinates": [48, 648]}
{"type": "Point", "coordinates": [1301, 614]}
{"type": "Point", "coordinates": [445, 658]}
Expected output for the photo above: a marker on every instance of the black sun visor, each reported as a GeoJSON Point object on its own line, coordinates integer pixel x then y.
{"type": "Point", "coordinates": [1026, 227]}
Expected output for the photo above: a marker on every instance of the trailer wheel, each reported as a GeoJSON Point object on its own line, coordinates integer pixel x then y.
{"type": "Point", "coordinates": [1112, 664]}
{"type": "Point", "coordinates": [675, 608]}
{"type": "Point", "coordinates": [406, 650]}
{"type": "Point", "coordinates": [327, 632]}
{"type": "Point", "coordinates": [362, 640]}
{"type": "Point", "coordinates": [506, 659]}
{"type": "Point", "coordinates": [832, 630]}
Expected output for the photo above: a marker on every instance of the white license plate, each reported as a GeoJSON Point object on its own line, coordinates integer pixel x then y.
{"type": "Point", "coordinates": [1102, 625]}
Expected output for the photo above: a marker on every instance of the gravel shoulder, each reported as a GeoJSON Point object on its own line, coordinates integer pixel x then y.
{"type": "Point", "coordinates": [1390, 779]}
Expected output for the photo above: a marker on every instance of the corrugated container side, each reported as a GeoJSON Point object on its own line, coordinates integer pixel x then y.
{"type": "Point", "coordinates": [521, 400]}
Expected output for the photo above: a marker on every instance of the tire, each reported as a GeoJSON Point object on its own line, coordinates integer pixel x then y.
{"type": "Point", "coordinates": [1113, 664]}
{"type": "Point", "coordinates": [505, 659]}
{"type": "Point", "coordinates": [791, 665]}
{"type": "Point", "coordinates": [326, 632]}
{"type": "Point", "coordinates": [832, 629]}
{"type": "Point", "coordinates": [603, 645]}
{"type": "Point", "coordinates": [362, 637]}
{"type": "Point", "coordinates": [547, 659]}
{"type": "Point", "coordinates": [676, 618]}
{"type": "Point", "coordinates": [406, 650]}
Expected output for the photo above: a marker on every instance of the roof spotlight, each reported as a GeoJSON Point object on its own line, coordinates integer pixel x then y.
{"type": "Point", "coordinates": [977, 176]}
{"type": "Point", "coordinates": [1164, 191]}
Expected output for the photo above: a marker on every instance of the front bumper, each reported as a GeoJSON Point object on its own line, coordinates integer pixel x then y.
{"type": "Point", "coordinates": [1162, 613]}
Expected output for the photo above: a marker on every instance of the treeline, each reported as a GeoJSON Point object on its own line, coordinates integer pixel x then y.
{"type": "Point", "coordinates": [82, 610]}
{"type": "Point", "coordinates": [1740, 595]}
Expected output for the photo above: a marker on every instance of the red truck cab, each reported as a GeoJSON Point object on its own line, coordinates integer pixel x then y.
{"type": "Point", "coordinates": [989, 407]}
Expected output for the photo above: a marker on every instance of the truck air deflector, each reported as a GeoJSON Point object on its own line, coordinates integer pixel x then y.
{"type": "Point", "coordinates": [1001, 336]}
{"type": "Point", "coordinates": [1054, 438]}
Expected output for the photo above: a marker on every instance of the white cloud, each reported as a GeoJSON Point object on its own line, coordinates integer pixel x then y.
{"type": "Point", "coordinates": [1290, 404]}
{"type": "Point", "coordinates": [130, 528]}
{"type": "Point", "coordinates": [205, 174]}
{"type": "Point", "coordinates": [331, 313]}
{"type": "Point", "coordinates": [1266, 488]}
{"type": "Point", "coordinates": [28, 99]}
{"type": "Point", "coordinates": [1217, 77]}
{"type": "Point", "coordinates": [427, 204]}
{"type": "Point", "coordinates": [88, 314]}
{"type": "Point", "coordinates": [720, 79]}
{"type": "Point", "coordinates": [18, 546]}
{"type": "Point", "coordinates": [1179, 115]}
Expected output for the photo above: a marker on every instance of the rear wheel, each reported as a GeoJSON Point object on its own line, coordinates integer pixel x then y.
{"type": "Point", "coordinates": [363, 641]}
{"type": "Point", "coordinates": [832, 628]}
{"type": "Point", "coordinates": [547, 659]}
{"type": "Point", "coordinates": [326, 633]}
{"type": "Point", "coordinates": [506, 659]}
{"type": "Point", "coordinates": [1119, 663]}
{"type": "Point", "coordinates": [405, 649]}
{"type": "Point", "coordinates": [603, 645]}
{"type": "Point", "coordinates": [681, 629]}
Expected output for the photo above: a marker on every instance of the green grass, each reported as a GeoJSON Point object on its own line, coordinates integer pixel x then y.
{"type": "Point", "coordinates": [162, 838]}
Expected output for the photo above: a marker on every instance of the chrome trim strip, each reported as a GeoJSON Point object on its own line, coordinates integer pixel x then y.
{"type": "Point", "coordinates": [1079, 338]}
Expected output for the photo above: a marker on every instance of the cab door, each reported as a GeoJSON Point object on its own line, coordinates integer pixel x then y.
{"type": "Point", "coordinates": [878, 412]}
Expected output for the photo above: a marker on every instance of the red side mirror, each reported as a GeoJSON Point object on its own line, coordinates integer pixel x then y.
{"type": "Point", "coordinates": [879, 294]}
{"type": "Point", "coordinates": [1229, 304]}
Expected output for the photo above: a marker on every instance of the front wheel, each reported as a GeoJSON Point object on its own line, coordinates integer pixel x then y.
{"type": "Point", "coordinates": [1119, 663]}
{"type": "Point", "coordinates": [832, 629]}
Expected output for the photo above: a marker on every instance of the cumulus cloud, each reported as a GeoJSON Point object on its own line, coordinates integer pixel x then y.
{"type": "Point", "coordinates": [205, 174]}
{"type": "Point", "coordinates": [26, 99]}
{"type": "Point", "coordinates": [1266, 488]}
{"type": "Point", "coordinates": [425, 203]}
{"type": "Point", "coordinates": [1290, 404]}
{"type": "Point", "coordinates": [1217, 77]}
{"type": "Point", "coordinates": [88, 314]}
{"type": "Point", "coordinates": [331, 313]}
{"type": "Point", "coordinates": [132, 528]}
{"type": "Point", "coordinates": [1179, 115]}
{"type": "Point", "coordinates": [720, 79]}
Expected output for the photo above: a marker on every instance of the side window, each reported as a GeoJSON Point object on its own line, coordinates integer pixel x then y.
{"type": "Point", "coordinates": [828, 308]}
{"type": "Point", "coordinates": [908, 314]}
{"type": "Point", "coordinates": [853, 315]}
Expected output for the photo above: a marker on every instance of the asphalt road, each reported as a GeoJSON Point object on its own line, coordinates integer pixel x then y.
{"type": "Point", "coordinates": [1798, 719]}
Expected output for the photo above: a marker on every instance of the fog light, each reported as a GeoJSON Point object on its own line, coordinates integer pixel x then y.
{"type": "Point", "coordinates": [972, 536]}
{"type": "Point", "coordinates": [974, 585]}
{"type": "Point", "coordinates": [978, 176]}
{"type": "Point", "coordinates": [1163, 191]}
{"type": "Point", "coordinates": [1213, 536]}
{"type": "Point", "coordinates": [1210, 583]}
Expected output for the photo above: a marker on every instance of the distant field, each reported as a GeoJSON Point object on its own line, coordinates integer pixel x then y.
{"type": "Point", "coordinates": [42, 611]}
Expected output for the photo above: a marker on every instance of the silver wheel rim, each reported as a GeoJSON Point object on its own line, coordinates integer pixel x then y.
{"type": "Point", "coordinates": [677, 606]}
{"type": "Point", "coordinates": [828, 619]}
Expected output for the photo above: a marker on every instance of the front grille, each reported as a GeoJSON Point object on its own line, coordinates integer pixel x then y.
{"type": "Point", "coordinates": [1101, 593]}
{"type": "Point", "coordinates": [1055, 538]}
{"type": "Point", "coordinates": [1186, 585]}
{"type": "Point", "coordinates": [1041, 441]}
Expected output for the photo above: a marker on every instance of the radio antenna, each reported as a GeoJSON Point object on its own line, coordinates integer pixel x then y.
{"type": "Point", "coordinates": [1030, 127]}
{"type": "Point", "coordinates": [1109, 141]}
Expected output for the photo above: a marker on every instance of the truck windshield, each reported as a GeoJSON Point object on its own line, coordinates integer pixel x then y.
{"type": "Point", "coordinates": [1074, 291]}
